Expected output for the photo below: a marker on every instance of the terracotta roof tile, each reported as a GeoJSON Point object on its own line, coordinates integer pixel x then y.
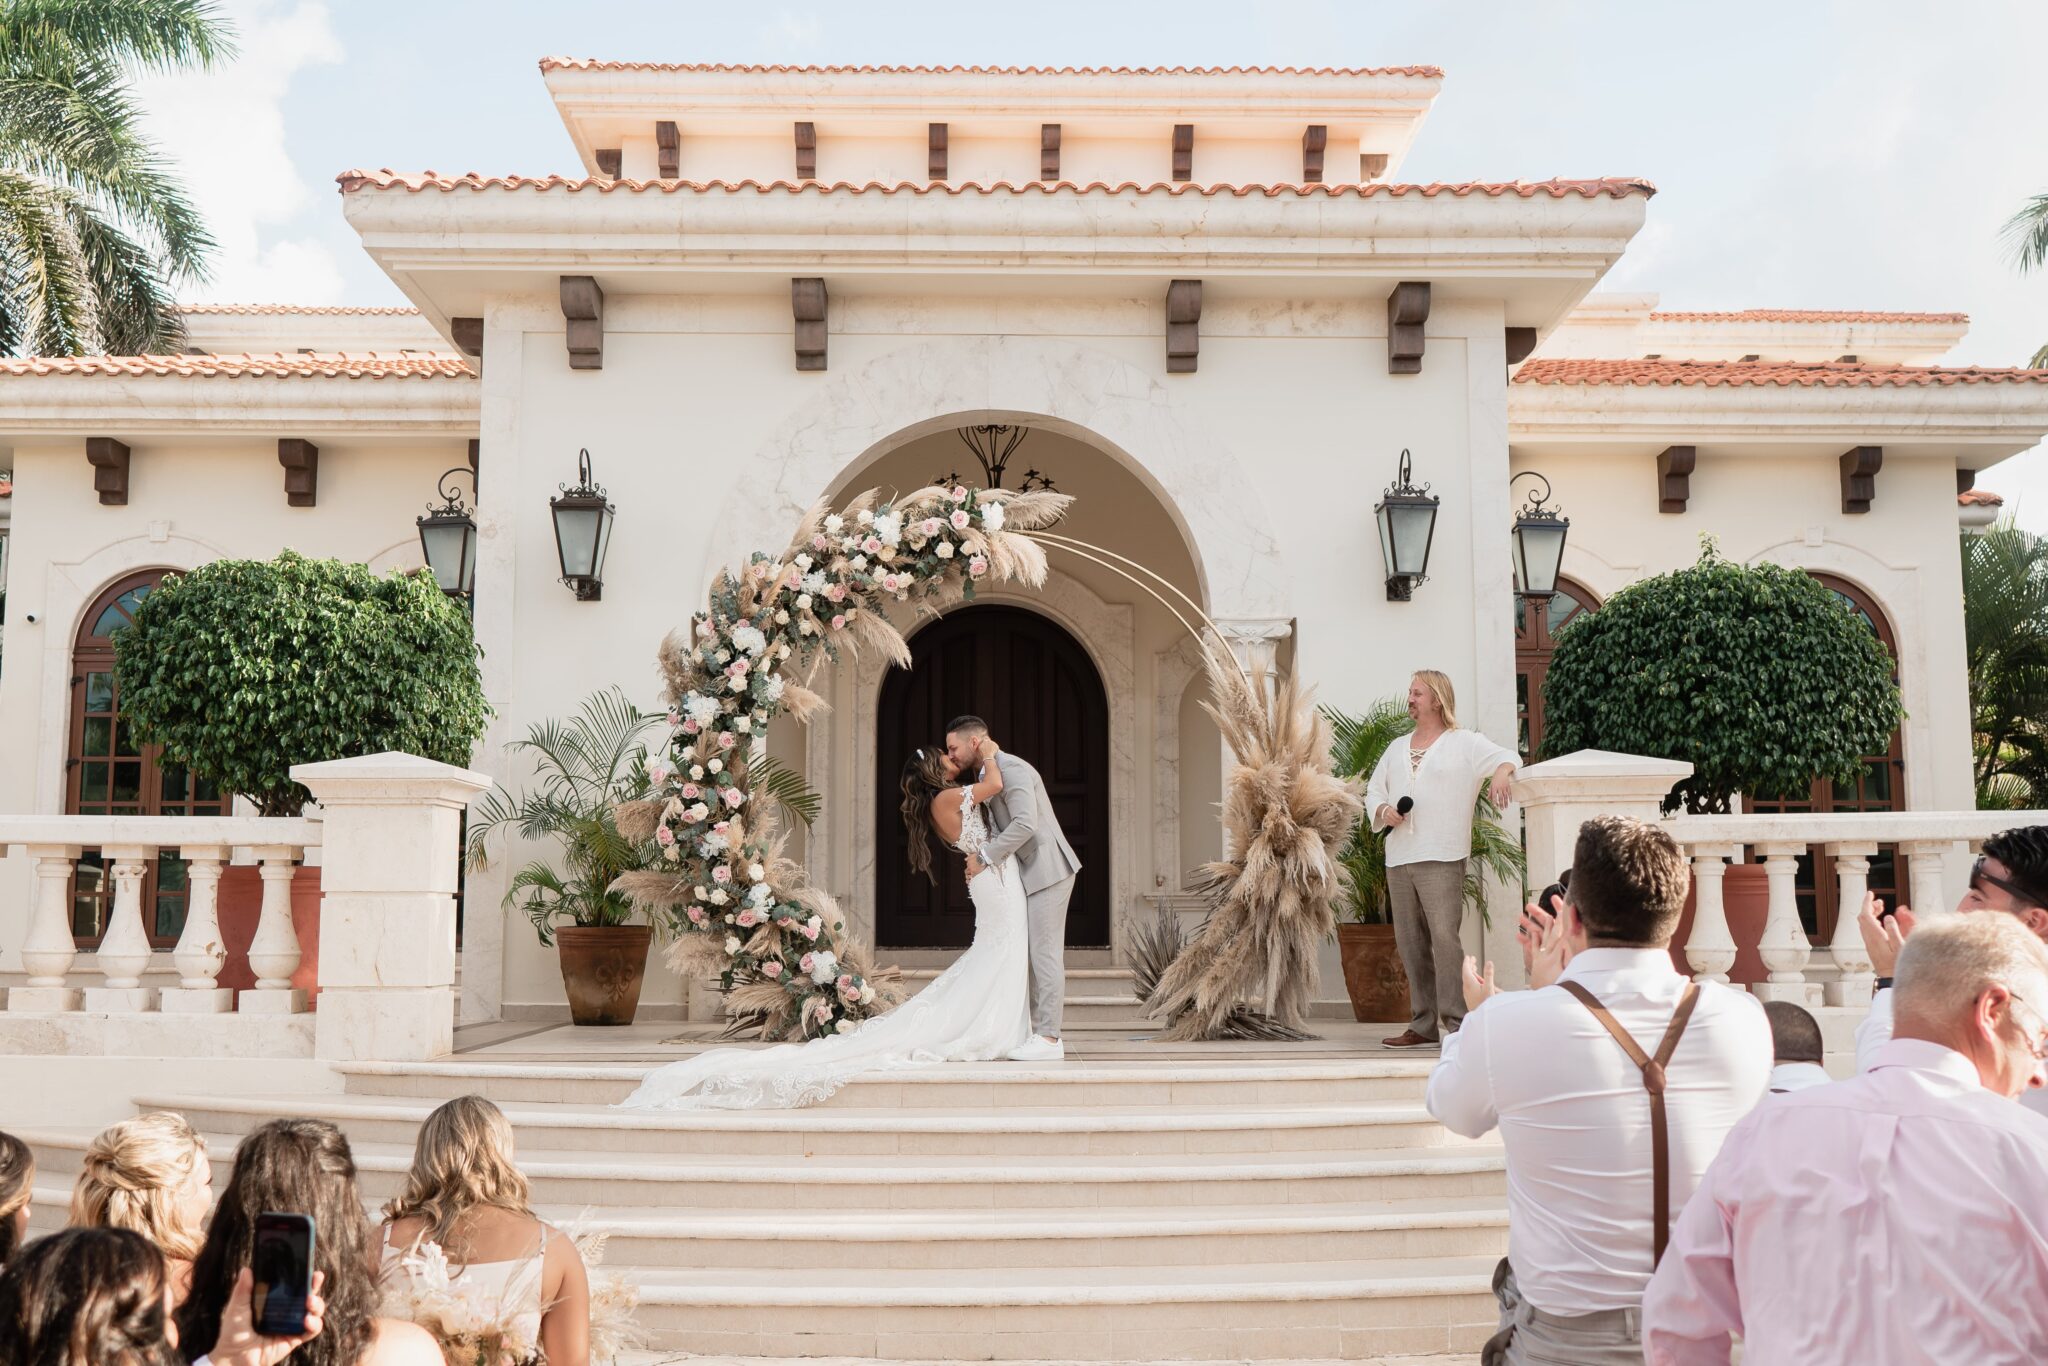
{"type": "Point", "coordinates": [596, 64]}
{"type": "Point", "coordinates": [323, 310]}
{"type": "Point", "coordinates": [1719, 374]}
{"type": "Point", "coordinates": [1980, 498]}
{"type": "Point", "coordinates": [1808, 315]}
{"type": "Point", "coordinates": [1615, 188]}
{"type": "Point", "coordinates": [283, 366]}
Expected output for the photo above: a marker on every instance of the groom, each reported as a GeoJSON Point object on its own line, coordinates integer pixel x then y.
{"type": "Point", "coordinates": [1026, 829]}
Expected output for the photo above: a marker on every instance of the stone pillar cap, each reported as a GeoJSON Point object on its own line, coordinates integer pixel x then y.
{"type": "Point", "coordinates": [389, 779]}
{"type": "Point", "coordinates": [1603, 771]}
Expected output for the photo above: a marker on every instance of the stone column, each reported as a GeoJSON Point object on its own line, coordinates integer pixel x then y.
{"type": "Point", "coordinates": [1557, 796]}
{"type": "Point", "coordinates": [124, 951]}
{"type": "Point", "coordinates": [1254, 642]}
{"type": "Point", "coordinates": [1785, 948]}
{"type": "Point", "coordinates": [200, 954]}
{"type": "Point", "coordinates": [390, 854]}
{"type": "Point", "coordinates": [274, 952]}
{"type": "Point", "coordinates": [48, 952]}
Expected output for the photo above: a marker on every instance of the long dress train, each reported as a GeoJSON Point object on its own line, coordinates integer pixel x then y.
{"type": "Point", "coordinates": [976, 1010]}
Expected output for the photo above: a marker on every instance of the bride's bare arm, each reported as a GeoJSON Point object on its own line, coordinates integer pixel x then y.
{"type": "Point", "coordinates": [992, 774]}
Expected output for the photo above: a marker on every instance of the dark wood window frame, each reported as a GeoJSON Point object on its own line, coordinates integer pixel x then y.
{"type": "Point", "coordinates": [1535, 643]}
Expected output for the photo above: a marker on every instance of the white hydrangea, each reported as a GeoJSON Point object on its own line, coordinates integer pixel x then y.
{"type": "Point", "coordinates": [749, 639]}
{"type": "Point", "coordinates": [813, 584]}
{"type": "Point", "coordinates": [802, 562]}
{"type": "Point", "coordinates": [889, 527]}
{"type": "Point", "coordinates": [759, 894]}
{"type": "Point", "coordinates": [744, 724]}
{"type": "Point", "coordinates": [834, 524]}
{"type": "Point", "coordinates": [992, 516]}
{"type": "Point", "coordinates": [824, 966]}
{"type": "Point", "coordinates": [773, 690]}
{"type": "Point", "coordinates": [701, 709]}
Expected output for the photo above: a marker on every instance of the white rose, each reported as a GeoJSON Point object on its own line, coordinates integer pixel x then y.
{"type": "Point", "coordinates": [782, 616]}
{"type": "Point", "coordinates": [845, 1027]}
{"type": "Point", "coordinates": [944, 550]}
{"type": "Point", "coordinates": [696, 773]}
{"type": "Point", "coordinates": [756, 872]}
{"type": "Point", "coordinates": [834, 524]}
{"type": "Point", "coordinates": [867, 996]}
{"type": "Point", "coordinates": [775, 684]}
{"type": "Point", "coordinates": [732, 943]}
{"type": "Point", "coordinates": [867, 517]}
{"type": "Point", "coordinates": [718, 896]}
{"type": "Point", "coordinates": [860, 562]}
{"type": "Point", "coordinates": [802, 562]}
{"type": "Point", "coordinates": [717, 765]}
{"type": "Point", "coordinates": [806, 627]}
{"type": "Point", "coordinates": [803, 602]}
{"type": "Point", "coordinates": [743, 725]}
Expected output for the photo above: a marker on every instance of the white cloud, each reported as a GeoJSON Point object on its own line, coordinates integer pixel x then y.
{"type": "Point", "coordinates": [794, 30]}
{"type": "Point", "coordinates": [225, 129]}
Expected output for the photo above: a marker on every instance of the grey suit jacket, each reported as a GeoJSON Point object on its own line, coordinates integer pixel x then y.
{"type": "Point", "coordinates": [1026, 828]}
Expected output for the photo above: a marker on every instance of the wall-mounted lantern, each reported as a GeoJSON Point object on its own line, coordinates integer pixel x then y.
{"type": "Point", "coordinates": [583, 532]}
{"type": "Point", "coordinates": [448, 539]}
{"type": "Point", "coordinates": [1539, 541]}
{"type": "Point", "coordinates": [1407, 518]}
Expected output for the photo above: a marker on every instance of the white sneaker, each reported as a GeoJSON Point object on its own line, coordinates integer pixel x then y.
{"type": "Point", "coordinates": [1038, 1048]}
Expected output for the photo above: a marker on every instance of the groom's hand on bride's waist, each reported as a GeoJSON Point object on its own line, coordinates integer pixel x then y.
{"type": "Point", "coordinates": [974, 867]}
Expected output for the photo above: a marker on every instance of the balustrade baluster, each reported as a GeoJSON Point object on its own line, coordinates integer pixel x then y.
{"type": "Point", "coordinates": [274, 951]}
{"type": "Point", "coordinates": [1785, 947]}
{"type": "Point", "coordinates": [201, 952]}
{"type": "Point", "coordinates": [48, 951]}
{"type": "Point", "coordinates": [1926, 859]}
{"type": "Point", "coordinates": [124, 951]}
{"type": "Point", "coordinates": [1852, 881]}
{"type": "Point", "coordinates": [1710, 949]}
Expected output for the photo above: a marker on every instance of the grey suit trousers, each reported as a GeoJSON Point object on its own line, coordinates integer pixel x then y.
{"type": "Point", "coordinates": [1045, 912]}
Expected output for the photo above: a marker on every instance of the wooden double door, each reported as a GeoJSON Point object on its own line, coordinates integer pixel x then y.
{"type": "Point", "coordinates": [1044, 701]}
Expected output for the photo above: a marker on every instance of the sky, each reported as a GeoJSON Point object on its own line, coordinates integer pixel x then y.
{"type": "Point", "coordinates": [1808, 153]}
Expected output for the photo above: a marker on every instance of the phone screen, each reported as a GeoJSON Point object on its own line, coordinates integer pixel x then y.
{"type": "Point", "coordinates": [281, 1265]}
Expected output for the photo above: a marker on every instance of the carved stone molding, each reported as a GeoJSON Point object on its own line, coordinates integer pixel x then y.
{"type": "Point", "coordinates": [609, 161]}
{"type": "Point", "coordinates": [109, 460]}
{"type": "Point", "coordinates": [1407, 311]}
{"type": "Point", "coordinates": [935, 151]}
{"type": "Point", "coordinates": [468, 334]}
{"type": "Point", "coordinates": [301, 461]}
{"type": "Point", "coordinates": [1172, 671]}
{"type": "Point", "coordinates": [583, 309]}
{"type": "Point", "coordinates": [1183, 151]}
{"type": "Point", "coordinates": [1255, 641]}
{"type": "Point", "coordinates": [1372, 165]}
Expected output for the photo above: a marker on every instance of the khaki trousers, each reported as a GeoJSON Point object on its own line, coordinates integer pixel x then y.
{"type": "Point", "coordinates": [1530, 1337]}
{"type": "Point", "coordinates": [1429, 909]}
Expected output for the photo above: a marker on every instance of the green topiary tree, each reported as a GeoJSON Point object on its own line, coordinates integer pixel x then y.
{"type": "Point", "coordinates": [242, 668]}
{"type": "Point", "coordinates": [1758, 675]}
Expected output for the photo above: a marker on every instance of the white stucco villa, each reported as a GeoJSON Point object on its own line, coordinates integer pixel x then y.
{"type": "Point", "coordinates": [1203, 302]}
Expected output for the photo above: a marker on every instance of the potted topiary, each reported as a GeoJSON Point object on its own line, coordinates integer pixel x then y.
{"type": "Point", "coordinates": [242, 668]}
{"type": "Point", "coordinates": [587, 765]}
{"type": "Point", "coordinates": [1757, 675]}
{"type": "Point", "coordinates": [1373, 976]}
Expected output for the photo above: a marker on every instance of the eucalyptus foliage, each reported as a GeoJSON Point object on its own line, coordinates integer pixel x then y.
{"type": "Point", "coordinates": [242, 668]}
{"type": "Point", "coordinates": [1757, 675]}
{"type": "Point", "coordinates": [1357, 742]}
{"type": "Point", "coordinates": [2005, 627]}
{"type": "Point", "coordinates": [95, 231]}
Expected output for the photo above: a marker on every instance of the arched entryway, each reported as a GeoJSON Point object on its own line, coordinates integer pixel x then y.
{"type": "Point", "coordinates": [1880, 786]}
{"type": "Point", "coordinates": [1043, 699]}
{"type": "Point", "coordinates": [1536, 628]}
{"type": "Point", "coordinates": [108, 772]}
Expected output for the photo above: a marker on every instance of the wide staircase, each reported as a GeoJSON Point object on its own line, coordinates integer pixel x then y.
{"type": "Point", "coordinates": [1138, 1202]}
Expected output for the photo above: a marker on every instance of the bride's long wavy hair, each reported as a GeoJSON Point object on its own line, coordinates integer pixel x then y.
{"type": "Point", "coordinates": [925, 776]}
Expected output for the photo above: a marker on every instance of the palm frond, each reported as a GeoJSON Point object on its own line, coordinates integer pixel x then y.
{"type": "Point", "coordinates": [2026, 234]}
{"type": "Point", "coordinates": [788, 788]}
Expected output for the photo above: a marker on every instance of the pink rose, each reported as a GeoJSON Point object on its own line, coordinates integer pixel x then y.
{"type": "Point", "coordinates": [960, 519]}
{"type": "Point", "coordinates": [726, 740]}
{"type": "Point", "coordinates": [977, 566]}
{"type": "Point", "coordinates": [839, 622]}
{"type": "Point", "coordinates": [845, 980]}
{"type": "Point", "coordinates": [748, 918]}
{"type": "Point", "coordinates": [664, 836]}
{"type": "Point", "coordinates": [690, 791]}
{"type": "Point", "coordinates": [837, 592]}
{"type": "Point", "coordinates": [704, 629]}
{"type": "Point", "coordinates": [807, 962]}
{"type": "Point", "coordinates": [873, 545]}
{"type": "Point", "coordinates": [696, 915]}
{"type": "Point", "coordinates": [733, 797]}
{"type": "Point", "coordinates": [889, 583]}
{"type": "Point", "coordinates": [721, 874]}
{"type": "Point", "coordinates": [689, 727]}
{"type": "Point", "coordinates": [931, 527]}
{"type": "Point", "coordinates": [722, 827]}
{"type": "Point", "coordinates": [771, 969]}
{"type": "Point", "coordinates": [793, 578]}
{"type": "Point", "coordinates": [657, 774]}
{"type": "Point", "coordinates": [675, 718]}
{"type": "Point", "coordinates": [811, 933]}
{"type": "Point", "coordinates": [819, 542]}
{"type": "Point", "coordinates": [824, 1011]}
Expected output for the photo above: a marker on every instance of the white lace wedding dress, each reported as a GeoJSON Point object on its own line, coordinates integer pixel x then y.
{"type": "Point", "coordinates": [978, 1009]}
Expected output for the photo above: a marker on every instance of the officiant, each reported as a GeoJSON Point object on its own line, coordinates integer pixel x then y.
{"type": "Point", "coordinates": [1421, 796]}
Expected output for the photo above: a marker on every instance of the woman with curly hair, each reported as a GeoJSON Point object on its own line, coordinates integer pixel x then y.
{"type": "Point", "coordinates": [149, 1175]}
{"type": "Point", "coordinates": [300, 1166]}
{"type": "Point", "coordinates": [465, 1196]}
{"type": "Point", "coordinates": [17, 1183]}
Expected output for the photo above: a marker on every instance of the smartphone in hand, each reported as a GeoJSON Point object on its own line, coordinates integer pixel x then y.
{"type": "Point", "coordinates": [282, 1266]}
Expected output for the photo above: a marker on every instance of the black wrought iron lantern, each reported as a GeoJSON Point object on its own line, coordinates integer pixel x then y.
{"type": "Point", "coordinates": [583, 532]}
{"type": "Point", "coordinates": [1407, 518]}
{"type": "Point", "coordinates": [448, 539]}
{"type": "Point", "coordinates": [1539, 541]}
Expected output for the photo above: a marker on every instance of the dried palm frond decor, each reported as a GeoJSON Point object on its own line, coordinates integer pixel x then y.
{"type": "Point", "coordinates": [1153, 947]}
{"type": "Point", "coordinates": [742, 912]}
{"type": "Point", "coordinates": [474, 1327]}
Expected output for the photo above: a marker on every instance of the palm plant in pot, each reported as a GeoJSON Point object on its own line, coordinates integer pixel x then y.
{"type": "Point", "coordinates": [1758, 675]}
{"type": "Point", "coordinates": [1373, 975]}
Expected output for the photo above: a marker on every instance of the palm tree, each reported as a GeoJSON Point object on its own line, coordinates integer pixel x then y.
{"type": "Point", "coordinates": [2026, 234]}
{"type": "Point", "coordinates": [2005, 627]}
{"type": "Point", "coordinates": [94, 230]}
{"type": "Point", "coordinates": [1357, 742]}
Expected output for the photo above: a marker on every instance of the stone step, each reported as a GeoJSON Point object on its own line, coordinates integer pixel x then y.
{"type": "Point", "coordinates": [953, 1088]}
{"type": "Point", "coordinates": [638, 1182]}
{"type": "Point", "coordinates": [1012, 1132]}
{"type": "Point", "coordinates": [1233, 1312]}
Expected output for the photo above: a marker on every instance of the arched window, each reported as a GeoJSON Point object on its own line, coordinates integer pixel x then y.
{"type": "Point", "coordinates": [1879, 787]}
{"type": "Point", "coordinates": [110, 773]}
{"type": "Point", "coordinates": [1535, 642]}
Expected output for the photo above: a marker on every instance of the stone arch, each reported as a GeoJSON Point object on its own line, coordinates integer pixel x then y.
{"type": "Point", "coordinates": [1090, 395]}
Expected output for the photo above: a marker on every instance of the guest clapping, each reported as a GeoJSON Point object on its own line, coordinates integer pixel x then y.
{"type": "Point", "coordinates": [149, 1175]}
{"type": "Point", "coordinates": [17, 1185]}
{"type": "Point", "coordinates": [1894, 1217]}
{"type": "Point", "coordinates": [299, 1166]}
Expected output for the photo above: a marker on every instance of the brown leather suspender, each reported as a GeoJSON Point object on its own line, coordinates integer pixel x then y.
{"type": "Point", "coordinates": [1653, 1082]}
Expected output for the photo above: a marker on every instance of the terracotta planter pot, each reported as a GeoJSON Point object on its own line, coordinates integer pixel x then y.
{"type": "Point", "coordinates": [1373, 975]}
{"type": "Point", "coordinates": [1746, 897]}
{"type": "Point", "coordinates": [602, 969]}
{"type": "Point", "coordinates": [241, 903]}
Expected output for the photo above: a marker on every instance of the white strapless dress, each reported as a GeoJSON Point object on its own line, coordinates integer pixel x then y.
{"type": "Point", "coordinates": [977, 1010]}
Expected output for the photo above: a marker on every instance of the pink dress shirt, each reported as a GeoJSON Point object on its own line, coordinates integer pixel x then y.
{"type": "Point", "coordinates": [1901, 1216]}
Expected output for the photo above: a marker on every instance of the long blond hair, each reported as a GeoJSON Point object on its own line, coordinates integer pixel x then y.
{"type": "Point", "coordinates": [135, 1176]}
{"type": "Point", "coordinates": [17, 1184]}
{"type": "Point", "coordinates": [1439, 685]}
{"type": "Point", "coordinates": [462, 1161]}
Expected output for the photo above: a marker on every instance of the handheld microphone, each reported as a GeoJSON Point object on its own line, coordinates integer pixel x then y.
{"type": "Point", "coordinates": [1404, 806]}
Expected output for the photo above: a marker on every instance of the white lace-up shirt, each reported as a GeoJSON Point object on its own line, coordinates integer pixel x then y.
{"type": "Point", "coordinates": [1444, 784]}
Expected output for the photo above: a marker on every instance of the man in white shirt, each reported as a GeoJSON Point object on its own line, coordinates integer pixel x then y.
{"type": "Point", "coordinates": [1422, 795]}
{"type": "Point", "coordinates": [2010, 876]}
{"type": "Point", "coordinates": [1896, 1217]}
{"type": "Point", "coordinates": [1577, 1115]}
{"type": "Point", "coordinates": [1796, 1049]}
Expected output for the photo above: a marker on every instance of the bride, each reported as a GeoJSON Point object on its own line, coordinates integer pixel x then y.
{"type": "Point", "coordinates": [978, 1009]}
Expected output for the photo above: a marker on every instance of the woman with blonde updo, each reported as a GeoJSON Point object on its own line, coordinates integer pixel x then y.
{"type": "Point", "coordinates": [17, 1181]}
{"type": "Point", "coordinates": [149, 1175]}
{"type": "Point", "coordinates": [465, 1196]}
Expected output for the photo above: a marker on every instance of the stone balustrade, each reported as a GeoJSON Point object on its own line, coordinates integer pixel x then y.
{"type": "Point", "coordinates": [388, 829]}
